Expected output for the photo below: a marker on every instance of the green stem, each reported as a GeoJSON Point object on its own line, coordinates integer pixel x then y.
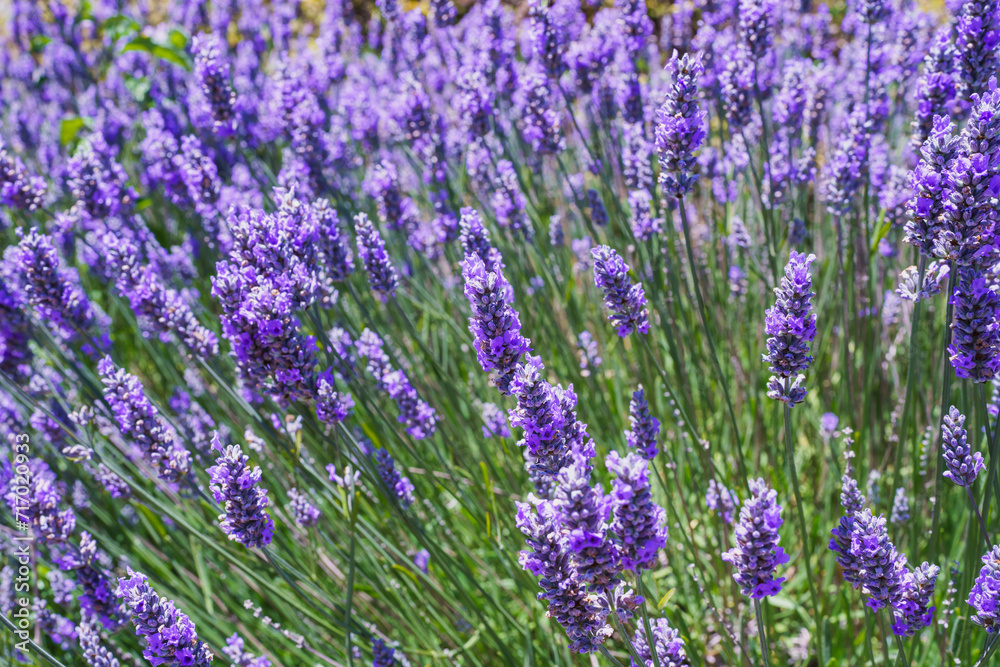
{"type": "Point", "coordinates": [762, 633]}
{"type": "Point", "coordinates": [800, 513]}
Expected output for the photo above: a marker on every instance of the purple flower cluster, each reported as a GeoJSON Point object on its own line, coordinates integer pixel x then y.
{"type": "Point", "coordinates": [721, 500]}
{"type": "Point", "coordinates": [237, 487]}
{"type": "Point", "coordinates": [211, 73]}
{"type": "Point", "coordinates": [667, 643]}
{"type": "Point", "coordinates": [494, 324]}
{"type": "Point", "coordinates": [645, 427]}
{"type": "Point", "coordinates": [975, 329]}
{"type": "Point", "coordinates": [985, 594]}
{"type": "Point", "coordinates": [880, 569]}
{"type": "Point", "coordinates": [963, 464]}
{"type": "Point", "coordinates": [35, 498]}
{"type": "Point", "coordinates": [639, 524]}
{"type": "Point", "coordinates": [304, 512]}
{"type": "Point", "coordinates": [681, 128]}
{"type": "Point", "coordinates": [420, 418]}
{"type": "Point", "coordinates": [382, 276]}
{"type": "Point", "coordinates": [235, 652]}
{"type": "Point", "coordinates": [509, 202]}
{"type": "Point", "coordinates": [139, 419]}
{"type": "Point", "coordinates": [756, 556]}
{"type": "Point", "coordinates": [627, 302]}
{"type": "Point", "coordinates": [399, 486]}
{"type": "Point", "coordinates": [18, 188]}
{"type": "Point", "coordinates": [170, 635]}
{"type": "Point", "coordinates": [791, 327]}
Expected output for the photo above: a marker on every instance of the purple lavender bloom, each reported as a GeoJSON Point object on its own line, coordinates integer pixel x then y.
{"type": "Point", "coordinates": [112, 483]}
{"type": "Point", "coordinates": [332, 406]}
{"type": "Point", "coordinates": [969, 215]}
{"type": "Point", "coordinates": [985, 594]}
{"type": "Point", "coordinates": [975, 329]}
{"type": "Point", "coordinates": [913, 611]}
{"type": "Point", "coordinates": [828, 425]}
{"type": "Point", "coordinates": [399, 486]}
{"type": "Point", "coordinates": [880, 568]}
{"type": "Point", "coordinates": [382, 654]}
{"type": "Point", "coordinates": [589, 354]}
{"type": "Point", "coordinates": [844, 174]}
{"type": "Point", "coordinates": [635, 25]}
{"type": "Point", "coordinates": [495, 324]}
{"type": "Point", "coordinates": [900, 507]}
{"type": "Point", "coordinates": [548, 40]}
{"type": "Point", "coordinates": [625, 301]}
{"type": "Point", "coordinates": [15, 330]}
{"type": "Point", "coordinates": [737, 88]}
{"type": "Point", "coordinates": [18, 188]}
{"type": "Point", "coordinates": [583, 511]}
{"type": "Point", "coordinates": [636, 153]}
{"type": "Point", "coordinates": [34, 497]}
{"type": "Point", "coordinates": [475, 239]}
{"type": "Point", "coordinates": [791, 325]}
{"type": "Point", "coordinates": [95, 653]}
{"type": "Point", "coordinates": [681, 128]}
{"type": "Point", "coordinates": [201, 178]}
{"type": "Point", "coordinates": [394, 209]}
{"type": "Point", "coordinates": [977, 35]}
{"type": "Point", "coordinates": [509, 202]}
{"type": "Point", "coordinates": [667, 642]}
{"type": "Point", "coordinates": [444, 13]}
{"type": "Point", "coordinates": [334, 246]}
{"type": "Point", "coordinates": [936, 87]}
{"type": "Point", "coordinates": [963, 464]}
{"type": "Point", "coordinates": [382, 276]}
{"type": "Point", "coordinates": [419, 418]}
{"type": "Point", "coordinates": [581, 614]}
{"type": "Point", "coordinates": [244, 502]}
{"type": "Point", "coordinates": [96, 181]}
{"type": "Point", "coordinates": [853, 502]}
{"type": "Point", "coordinates": [421, 559]}
{"type": "Point", "coordinates": [474, 99]}
{"type": "Point", "coordinates": [757, 555]}
{"type": "Point", "coordinates": [639, 524]}
{"type": "Point", "coordinates": [755, 28]}
{"type": "Point", "coordinates": [171, 638]}
{"type": "Point", "coordinates": [211, 74]}
{"type": "Point", "coordinates": [598, 214]}
{"type": "Point", "coordinates": [934, 275]}
{"type": "Point", "coordinates": [721, 500]}
{"type": "Point", "coordinates": [304, 512]}
{"type": "Point", "coordinates": [495, 422]}
{"type": "Point", "coordinates": [645, 427]}
{"type": "Point", "coordinates": [160, 308]}
{"type": "Point", "coordinates": [235, 653]}
{"type": "Point", "coordinates": [97, 596]}
{"type": "Point", "coordinates": [51, 288]}
{"type": "Point", "coordinates": [138, 418]}
{"type": "Point", "coordinates": [928, 183]}
{"type": "Point", "coordinates": [542, 127]}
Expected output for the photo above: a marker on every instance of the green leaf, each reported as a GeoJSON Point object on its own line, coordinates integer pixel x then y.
{"type": "Point", "coordinates": [883, 231]}
{"type": "Point", "coordinates": [139, 87]}
{"type": "Point", "coordinates": [177, 39]}
{"type": "Point", "coordinates": [143, 203]}
{"type": "Point", "coordinates": [69, 128]}
{"type": "Point", "coordinates": [143, 43]}
{"type": "Point", "coordinates": [39, 42]}
{"type": "Point", "coordinates": [666, 598]}
{"type": "Point", "coordinates": [118, 26]}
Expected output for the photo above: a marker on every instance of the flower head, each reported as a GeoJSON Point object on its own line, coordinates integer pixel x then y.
{"type": "Point", "coordinates": [963, 464]}
{"type": "Point", "coordinates": [757, 555]}
{"type": "Point", "coordinates": [237, 487]}
{"type": "Point", "coordinates": [791, 325]}
{"type": "Point", "coordinates": [625, 301]}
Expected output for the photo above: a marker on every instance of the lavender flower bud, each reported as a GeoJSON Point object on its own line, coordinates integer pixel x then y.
{"type": "Point", "coordinates": [625, 301]}
{"type": "Point", "coordinates": [880, 568]}
{"type": "Point", "coordinates": [791, 325]}
{"type": "Point", "coordinates": [170, 635]}
{"type": "Point", "coordinates": [721, 500]}
{"type": "Point", "coordinates": [900, 507]}
{"type": "Point", "coordinates": [913, 611]}
{"type": "Point", "coordinates": [681, 128]}
{"type": "Point", "coordinates": [18, 188]}
{"type": "Point", "coordinates": [985, 594]}
{"type": "Point", "coordinates": [645, 427]}
{"type": "Point", "coordinates": [237, 486]}
{"type": "Point", "coordinates": [495, 422]}
{"type": "Point", "coordinates": [668, 644]}
{"type": "Point", "coordinates": [509, 202]}
{"type": "Point", "coordinates": [976, 42]}
{"type": "Point", "coordinates": [399, 486]}
{"type": "Point", "coordinates": [975, 330]}
{"type": "Point", "coordinates": [235, 653]}
{"type": "Point", "coordinates": [757, 555]}
{"type": "Point", "coordinates": [639, 525]}
{"type": "Point", "coordinates": [963, 464]}
{"type": "Point", "coordinates": [928, 182]}
{"type": "Point", "coordinates": [934, 275]}
{"type": "Point", "coordinates": [494, 323]}
{"type": "Point", "coordinates": [382, 275]}
{"type": "Point", "coordinates": [94, 652]}
{"type": "Point", "coordinates": [332, 406]}
{"type": "Point", "coordinates": [419, 418]}
{"type": "Point", "coordinates": [304, 512]}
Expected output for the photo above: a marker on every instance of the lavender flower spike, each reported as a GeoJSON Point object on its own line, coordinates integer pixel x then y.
{"type": "Point", "coordinates": [639, 524]}
{"type": "Point", "coordinates": [963, 464]}
{"type": "Point", "coordinates": [757, 555]}
{"type": "Point", "coordinates": [681, 128]}
{"type": "Point", "coordinates": [400, 486]}
{"type": "Point", "coordinates": [95, 654]}
{"type": "Point", "coordinates": [791, 325]}
{"type": "Point", "coordinates": [880, 568]}
{"type": "Point", "coordinates": [645, 427]}
{"type": "Point", "coordinates": [667, 643]}
{"type": "Point", "coordinates": [625, 301]}
{"type": "Point", "coordinates": [211, 73]}
{"type": "Point", "coordinates": [913, 612]}
{"type": "Point", "coordinates": [237, 486]}
{"type": "Point", "coordinates": [382, 276]}
{"type": "Point", "coordinates": [138, 417]}
{"type": "Point", "coordinates": [985, 594]}
{"type": "Point", "coordinates": [494, 323]}
{"type": "Point", "coordinates": [975, 330]}
{"type": "Point", "coordinates": [170, 635]}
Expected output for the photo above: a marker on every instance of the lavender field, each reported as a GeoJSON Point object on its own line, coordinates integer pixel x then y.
{"type": "Point", "coordinates": [550, 334]}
